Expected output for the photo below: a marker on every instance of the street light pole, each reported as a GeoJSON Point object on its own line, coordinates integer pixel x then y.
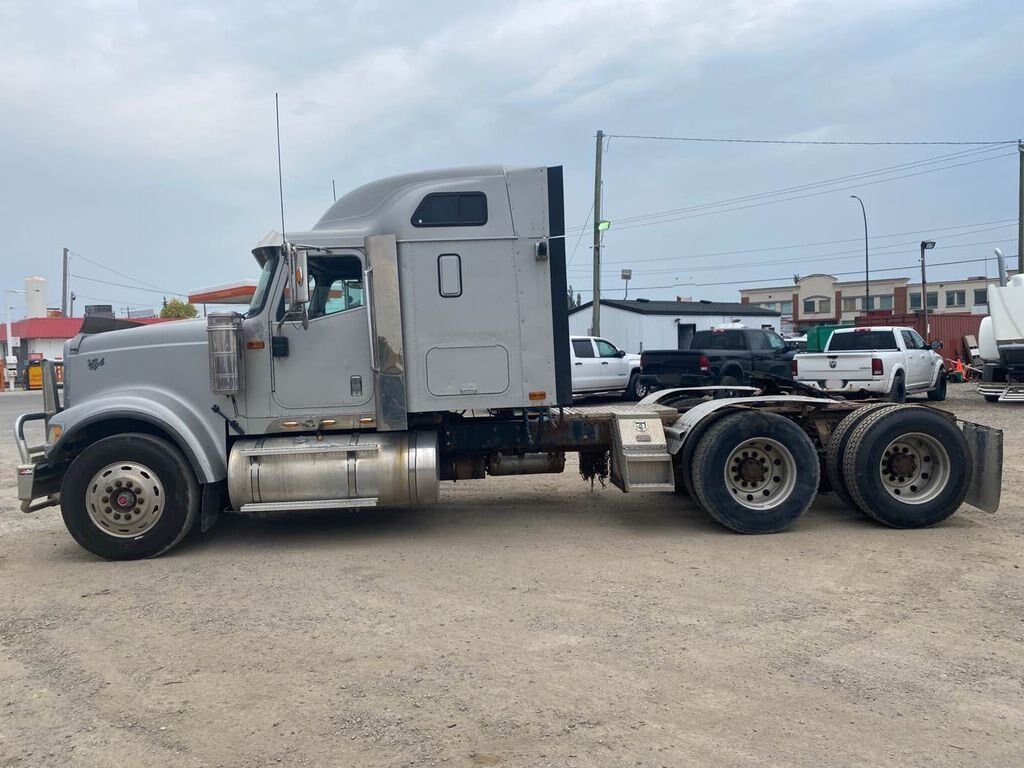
{"type": "Point", "coordinates": [7, 311]}
{"type": "Point", "coordinates": [926, 245]}
{"type": "Point", "coordinates": [867, 284]}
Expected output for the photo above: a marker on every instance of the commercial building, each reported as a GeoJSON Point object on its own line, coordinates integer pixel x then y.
{"type": "Point", "coordinates": [820, 298]}
{"type": "Point", "coordinates": [638, 324]}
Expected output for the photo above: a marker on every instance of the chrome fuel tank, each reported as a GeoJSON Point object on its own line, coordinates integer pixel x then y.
{"type": "Point", "coordinates": [310, 471]}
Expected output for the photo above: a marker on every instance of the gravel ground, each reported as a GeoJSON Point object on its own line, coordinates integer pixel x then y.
{"type": "Point", "coordinates": [522, 622]}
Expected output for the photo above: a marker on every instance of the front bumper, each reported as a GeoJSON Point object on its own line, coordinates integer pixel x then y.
{"type": "Point", "coordinates": [1006, 392]}
{"type": "Point", "coordinates": [38, 480]}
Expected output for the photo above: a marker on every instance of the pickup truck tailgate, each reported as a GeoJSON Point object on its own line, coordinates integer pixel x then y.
{"type": "Point", "coordinates": [838, 365]}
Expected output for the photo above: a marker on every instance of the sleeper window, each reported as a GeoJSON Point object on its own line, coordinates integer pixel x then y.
{"type": "Point", "coordinates": [451, 209]}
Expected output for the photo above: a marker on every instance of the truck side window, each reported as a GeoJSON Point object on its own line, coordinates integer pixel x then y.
{"type": "Point", "coordinates": [909, 341]}
{"type": "Point", "coordinates": [582, 348]}
{"type": "Point", "coordinates": [775, 341]}
{"type": "Point", "coordinates": [604, 349]}
{"type": "Point", "coordinates": [758, 342]}
{"type": "Point", "coordinates": [451, 209]}
{"type": "Point", "coordinates": [337, 284]}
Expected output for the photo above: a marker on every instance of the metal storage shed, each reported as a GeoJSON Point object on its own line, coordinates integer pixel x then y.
{"type": "Point", "coordinates": [639, 324]}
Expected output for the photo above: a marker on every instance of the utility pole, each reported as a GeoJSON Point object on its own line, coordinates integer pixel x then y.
{"type": "Point", "coordinates": [1020, 208]}
{"type": "Point", "coordinates": [595, 329]}
{"type": "Point", "coordinates": [64, 286]}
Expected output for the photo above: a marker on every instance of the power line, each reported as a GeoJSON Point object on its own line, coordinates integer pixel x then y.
{"type": "Point", "coordinates": [675, 214]}
{"type": "Point", "coordinates": [811, 185]}
{"type": "Point", "coordinates": [703, 213]}
{"type": "Point", "coordinates": [789, 277]}
{"type": "Point", "coordinates": [124, 285]}
{"type": "Point", "coordinates": [583, 229]}
{"type": "Point", "coordinates": [122, 274]}
{"type": "Point", "coordinates": [878, 248]}
{"type": "Point", "coordinates": [805, 259]}
{"type": "Point", "coordinates": [720, 140]}
{"type": "Point", "coordinates": [115, 302]}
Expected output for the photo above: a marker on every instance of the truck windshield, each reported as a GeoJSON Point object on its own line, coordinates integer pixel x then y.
{"type": "Point", "coordinates": [260, 297]}
{"type": "Point", "coordinates": [863, 341]}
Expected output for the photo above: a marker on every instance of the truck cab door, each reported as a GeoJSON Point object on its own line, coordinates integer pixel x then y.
{"type": "Point", "coordinates": [585, 366]}
{"type": "Point", "coordinates": [915, 353]}
{"type": "Point", "coordinates": [779, 357]}
{"type": "Point", "coordinates": [614, 368]}
{"type": "Point", "coordinates": [326, 368]}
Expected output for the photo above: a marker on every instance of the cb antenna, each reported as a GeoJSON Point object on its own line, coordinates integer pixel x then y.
{"type": "Point", "coordinates": [280, 176]}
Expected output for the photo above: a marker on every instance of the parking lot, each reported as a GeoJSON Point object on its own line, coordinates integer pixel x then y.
{"type": "Point", "coordinates": [524, 621]}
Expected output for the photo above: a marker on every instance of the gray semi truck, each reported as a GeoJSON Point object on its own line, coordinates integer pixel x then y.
{"type": "Point", "coordinates": [417, 334]}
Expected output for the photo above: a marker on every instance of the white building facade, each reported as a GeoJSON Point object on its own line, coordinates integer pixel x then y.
{"type": "Point", "coordinates": [638, 324]}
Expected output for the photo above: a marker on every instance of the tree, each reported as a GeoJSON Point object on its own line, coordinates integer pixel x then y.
{"type": "Point", "coordinates": [178, 310]}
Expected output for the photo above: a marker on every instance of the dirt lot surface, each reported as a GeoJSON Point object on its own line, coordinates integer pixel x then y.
{"type": "Point", "coordinates": [522, 622]}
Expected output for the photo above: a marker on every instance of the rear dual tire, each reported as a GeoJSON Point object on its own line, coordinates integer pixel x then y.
{"type": "Point", "coordinates": [907, 467]}
{"type": "Point", "coordinates": [754, 472]}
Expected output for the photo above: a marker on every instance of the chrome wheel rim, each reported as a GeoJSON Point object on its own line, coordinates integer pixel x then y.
{"type": "Point", "coordinates": [760, 473]}
{"type": "Point", "coordinates": [915, 468]}
{"type": "Point", "coordinates": [125, 499]}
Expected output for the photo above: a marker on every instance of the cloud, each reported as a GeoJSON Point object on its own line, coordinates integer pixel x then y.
{"type": "Point", "coordinates": [190, 86]}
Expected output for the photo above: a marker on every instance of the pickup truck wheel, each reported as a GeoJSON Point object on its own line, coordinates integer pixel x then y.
{"type": "Point", "coordinates": [636, 390]}
{"type": "Point", "coordinates": [755, 472]}
{"type": "Point", "coordinates": [729, 381]}
{"type": "Point", "coordinates": [898, 392]}
{"type": "Point", "coordinates": [835, 451]}
{"type": "Point", "coordinates": [129, 496]}
{"type": "Point", "coordinates": [908, 467]}
{"type": "Point", "coordinates": [939, 392]}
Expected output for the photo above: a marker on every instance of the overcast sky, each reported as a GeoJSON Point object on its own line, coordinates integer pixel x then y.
{"type": "Point", "coordinates": [141, 134]}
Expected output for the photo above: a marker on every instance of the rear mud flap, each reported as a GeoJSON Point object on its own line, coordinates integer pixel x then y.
{"type": "Point", "coordinates": [986, 446]}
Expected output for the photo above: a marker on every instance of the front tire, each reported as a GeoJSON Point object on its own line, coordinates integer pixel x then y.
{"type": "Point", "coordinates": [755, 472]}
{"type": "Point", "coordinates": [129, 496]}
{"type": "Point", "coordinates": [636, 389]}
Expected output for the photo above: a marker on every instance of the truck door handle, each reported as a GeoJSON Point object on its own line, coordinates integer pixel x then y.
{"type": "Point", "coordinates": [605, 363]}
{"type": "Point", "coordinates": [578, 363]}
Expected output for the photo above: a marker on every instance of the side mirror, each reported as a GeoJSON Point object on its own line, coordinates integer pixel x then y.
{"type": "Point", "coordinates": [298, 280]}
{"type": "Point", "coordinates": [621, 353]}
{"type": "Point", "coordinates": [935, 345]}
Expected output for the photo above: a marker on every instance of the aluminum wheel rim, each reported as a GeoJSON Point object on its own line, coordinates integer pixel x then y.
{"type": "Point", "coordinates": [760, 473]}
{"type": "Point", "coordinates": [915, 468]}
{"type": "Point", "coordinates": [125, 499]}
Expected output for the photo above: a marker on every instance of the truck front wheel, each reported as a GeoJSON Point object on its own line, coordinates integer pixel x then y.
{"type": "Point", "coordinates": [755, 472]}
{"type": "Point", "coordinates": [129, 496]}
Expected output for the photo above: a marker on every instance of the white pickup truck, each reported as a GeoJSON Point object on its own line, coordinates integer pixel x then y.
{"type": "Point", "coordinates": [874, 362]}
{"type": "Point", "coordinates": [600, 366]}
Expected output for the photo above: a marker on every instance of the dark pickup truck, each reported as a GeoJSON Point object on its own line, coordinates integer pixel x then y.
{"type": "Point", "coordinates": [724, 356]}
